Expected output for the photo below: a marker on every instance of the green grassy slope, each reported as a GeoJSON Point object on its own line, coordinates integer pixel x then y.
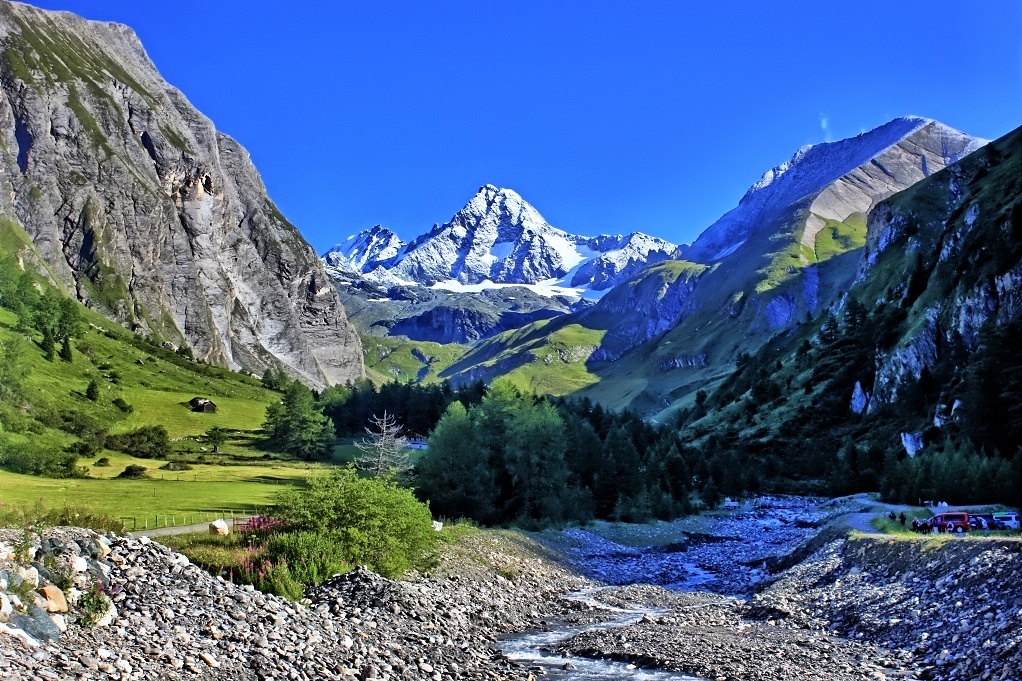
{"type": "Point", "coordinates": [400, 359]}
{"type": "Point", "coordinates": [157, 385]}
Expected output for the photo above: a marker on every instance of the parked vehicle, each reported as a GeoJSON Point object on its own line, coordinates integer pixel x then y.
{"type": "Point", "coordinates": [957, 522]}
{"type": "Point", "coordinates": [1008, 519]}
{"type": "Point", "coordinates": [992, 523]}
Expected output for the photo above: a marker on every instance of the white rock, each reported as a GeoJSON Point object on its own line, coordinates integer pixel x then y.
{"type": "Point", "coordinates": [109, 616]}
{"type": "Point", "coordinates": [30, 575]}
{"type": "Point", "coordinates": [6, 608]}
{"type": "Point", "coordinates": [59, 621]}
{"type": "Point", "coordinates": [19, 634]}
{"type": "Point", "coordinates": [79, 564]}
{"type": "Point", "coordinates": [219, 527]}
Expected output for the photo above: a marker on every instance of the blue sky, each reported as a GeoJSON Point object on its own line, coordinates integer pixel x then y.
{"type": "Point", "coordinates": [607, 116]}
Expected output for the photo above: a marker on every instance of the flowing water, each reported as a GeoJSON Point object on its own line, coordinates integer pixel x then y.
{"type": "Point", "coordinates": [535, 650]}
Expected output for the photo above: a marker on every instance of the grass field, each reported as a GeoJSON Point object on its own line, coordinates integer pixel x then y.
{"type": "Point", "coordinates": [205, 488]}
{"type": "Point", "coordinates": [171, 410]}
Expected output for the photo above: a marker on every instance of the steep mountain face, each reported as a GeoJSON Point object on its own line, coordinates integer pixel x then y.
{"type": "Point", "coordinates": [138, 206]}
{"type": "Point", "coordinates": [788, 251]}
{"type": "Point", "coordinates": [362, 252]}
{"type": "Point", "coordinates": [957, 240]}
{"type": "Point", "coordinates": [914, 375]}
{"type": "Point", "coordinates": [835, 180]}
{"type": "Point", "coordinates": [497, 237]}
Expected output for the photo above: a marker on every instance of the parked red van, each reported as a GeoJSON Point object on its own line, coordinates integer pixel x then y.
{"type": "Point", "coordinates": [951, 521]}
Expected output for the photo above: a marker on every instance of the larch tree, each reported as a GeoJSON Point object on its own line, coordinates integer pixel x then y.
{"type": "Point", "coordinates": [385, 449]}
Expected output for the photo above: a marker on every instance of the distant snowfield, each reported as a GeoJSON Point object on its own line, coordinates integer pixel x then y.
{"type": "Point", "coordinates": [549, 288]}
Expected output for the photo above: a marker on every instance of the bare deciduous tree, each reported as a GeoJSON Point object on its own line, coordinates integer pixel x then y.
{"type": "Point", "coordinates": [385, 450]}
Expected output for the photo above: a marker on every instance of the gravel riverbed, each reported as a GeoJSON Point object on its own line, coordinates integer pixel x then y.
{"type": "Point", "coordinates": [785, 603]}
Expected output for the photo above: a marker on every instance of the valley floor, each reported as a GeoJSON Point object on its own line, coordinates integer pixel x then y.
{"type": "Point", "coordinates": [798, 601]}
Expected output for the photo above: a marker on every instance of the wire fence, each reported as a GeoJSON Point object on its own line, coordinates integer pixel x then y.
{"type": "Point", "coordinates": [236, 517]}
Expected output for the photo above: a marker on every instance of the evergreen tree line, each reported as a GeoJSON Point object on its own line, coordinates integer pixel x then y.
{"type": "Point", "coordinates": [54, 317]}
{"type": "Point", "coordinates": [417, 408]}
{"type": "Point", "coordinates": [515, 458]}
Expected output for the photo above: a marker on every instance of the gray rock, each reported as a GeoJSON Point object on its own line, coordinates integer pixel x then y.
{"type": "Point", "coordinates": [37, 624]}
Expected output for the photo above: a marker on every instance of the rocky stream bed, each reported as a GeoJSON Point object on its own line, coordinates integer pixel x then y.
{"type": "Point", "coordinates": [758, 594]}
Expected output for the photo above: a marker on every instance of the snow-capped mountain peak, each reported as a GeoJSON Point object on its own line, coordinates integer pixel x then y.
{"type": "Point", "coordinates": [373, 245]}
{"type": "Point", "coordinates": [497, 238]}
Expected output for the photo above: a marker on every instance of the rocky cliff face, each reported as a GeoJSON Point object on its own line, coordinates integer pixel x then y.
{"type": "Point", "coordinates": [144, 211]}
{"type": "Point", "coordinates": [952, 243]}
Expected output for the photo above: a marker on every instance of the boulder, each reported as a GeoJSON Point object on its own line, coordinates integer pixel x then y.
{"type": "Point", "coordinates": [27, 640]}
{"type": "Point", "coordinates": [55, 600]}
{"type": "Point", "coordinates": [37, 624]}
{"type": "Point", "coordinates": [6, 608]}
{"type": "Point", "coordinates": [219, 527]}
{"type": "Point", "coordinates": [29, 575]}
{"type": "Point", "coordinates": [60, 622]}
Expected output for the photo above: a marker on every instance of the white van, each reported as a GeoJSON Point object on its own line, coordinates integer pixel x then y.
{"type": "Point", "coordinates": [1010, 520]}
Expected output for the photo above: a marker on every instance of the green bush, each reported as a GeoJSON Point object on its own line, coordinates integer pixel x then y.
{"type": "Point", "coordinates": [176, 466]}
{"type": "Point", "coordinates": [311, 557]}
{"type": "Point", "coordinates": [133, 472]}
{"type": "Point", "coordinates": [122, 405]}
{"type": "Point", "coordinates": [32, 459]}
{"type": "Point", "coordinates": [102, 462]}
{"type": "Point", "coordinates": [373, 521]}
{"type": "Point", "coordinates": [147, 442]}
{"type": "Point", "coordinates": [85, 449]}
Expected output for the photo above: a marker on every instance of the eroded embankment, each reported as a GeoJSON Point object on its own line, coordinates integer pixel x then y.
{"type": "Point", "coordinates": [955, 604]}
{"type": "Point", "coordinates": [865, 607]}
{"type": "Point", "coordinates": [163, 618]}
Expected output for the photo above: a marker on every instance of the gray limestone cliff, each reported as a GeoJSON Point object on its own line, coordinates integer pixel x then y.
{"type": "Point", "coordinates": [142, 210]}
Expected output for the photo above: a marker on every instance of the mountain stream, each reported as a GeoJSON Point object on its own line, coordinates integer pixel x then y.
{"type": "Point", "coordinates": [534, 650]}
{"type": "Point", "coordinates": [726, 558]}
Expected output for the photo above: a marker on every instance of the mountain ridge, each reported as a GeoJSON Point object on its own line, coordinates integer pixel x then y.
{"type": "Point", "coordinates": [780, 257]}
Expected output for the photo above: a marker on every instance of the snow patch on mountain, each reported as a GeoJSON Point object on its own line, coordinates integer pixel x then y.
{"type": "Point", "coordinates": [355, 253]}
{"type": "Point", "coordinates": [551, 288]}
